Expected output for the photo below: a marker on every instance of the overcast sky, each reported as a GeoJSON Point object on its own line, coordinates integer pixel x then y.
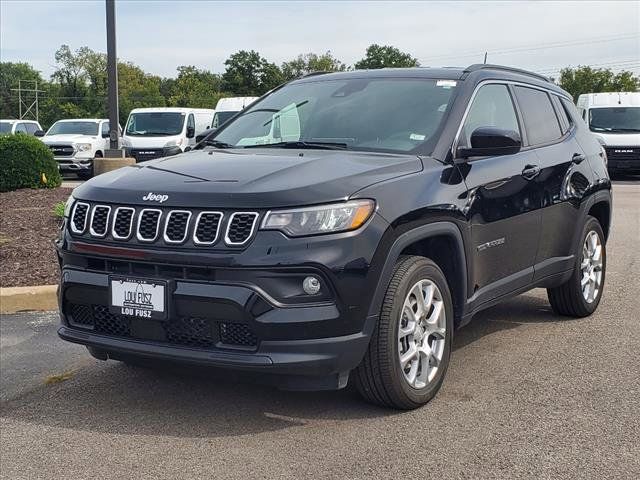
{"type": "Point", "coordinates": [161, 35]}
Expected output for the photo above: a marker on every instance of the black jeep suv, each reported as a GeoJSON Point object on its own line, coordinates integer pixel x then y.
{"type": "Point", "coordinates": [343, 226]}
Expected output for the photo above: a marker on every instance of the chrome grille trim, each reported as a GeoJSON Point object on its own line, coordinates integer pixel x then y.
{"type": "Point", "coordinates": [140, 215]}
{"type": "Point", "coordinates": [114, 234]}
{"type": "Point", "coordinates": [73, 216]}
{"type": "Point", "coordinates": [186, 228]}
{"type": "Point", "coordinates": [106, 222]}
{"type": "Point", "coordinates": [228, 241]}
{"type": "Point", "coordinates": [197, 223]}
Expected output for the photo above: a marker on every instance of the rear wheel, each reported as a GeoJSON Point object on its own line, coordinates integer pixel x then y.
{"type": "Point", "coordinates": [580, 295]}
{"type": "Point", "coordinates": [409, 351]}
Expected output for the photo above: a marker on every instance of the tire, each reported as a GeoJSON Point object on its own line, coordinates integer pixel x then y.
{"type": "Point", "coordinates": [380, 378]}
{"type": "Point", "coordinates": [570, 299]}
{"type": "Point", "coordinates": [88, 174]}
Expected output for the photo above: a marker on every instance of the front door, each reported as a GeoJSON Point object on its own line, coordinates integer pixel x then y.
{"type": "Point", "coordinates": [503, 204]}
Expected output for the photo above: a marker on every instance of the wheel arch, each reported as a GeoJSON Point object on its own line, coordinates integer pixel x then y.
{"type": "Point", "coordinates": [601, 210]}
{"type": "Point", "coordinates": [441, 242]}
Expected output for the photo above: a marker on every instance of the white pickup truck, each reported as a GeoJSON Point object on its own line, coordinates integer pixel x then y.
{"type": "Point", "coordinates": [76, 142]}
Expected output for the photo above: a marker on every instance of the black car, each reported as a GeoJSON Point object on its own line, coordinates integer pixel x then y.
{"type": "Point", "coordinates": [343, 227]}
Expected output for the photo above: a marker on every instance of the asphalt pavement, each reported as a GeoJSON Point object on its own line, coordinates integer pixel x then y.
{"type": "Point", "coordinates": [528, 395]}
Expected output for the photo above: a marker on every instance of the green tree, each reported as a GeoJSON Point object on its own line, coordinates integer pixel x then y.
{"type": "Point", "coordinates": [137, 89]}
{"type": "Point", "coordinates": [194, 88]}
{"type": "Point", "coordinates": [10, 74]}
{"type": "Point", "coordinates": [247, 73]}
{"type": "Point", "coordinates": [386, 56]}
{"type": "Point", "coordinates": [311, 62]}
{"type": "Point", "coordinates": [585, 79]}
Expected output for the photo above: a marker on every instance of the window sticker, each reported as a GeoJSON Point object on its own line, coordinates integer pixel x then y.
{"type": "Point", "coordinates": [446, 83]}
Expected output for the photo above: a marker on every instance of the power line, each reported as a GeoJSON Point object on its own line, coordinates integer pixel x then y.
{"type": "Point", "coordinates": [529, 48]}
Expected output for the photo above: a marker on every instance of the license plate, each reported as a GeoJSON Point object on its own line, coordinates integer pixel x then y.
{"type": "Point", "coordinates": [138, 298]}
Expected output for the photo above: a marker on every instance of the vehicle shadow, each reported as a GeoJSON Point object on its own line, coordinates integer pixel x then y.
{"type": "Point", "coordinates": [111, 397]}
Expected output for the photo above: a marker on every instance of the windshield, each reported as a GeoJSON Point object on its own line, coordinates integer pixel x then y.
{"type": "Point", "coordinates": [74, 128]}
{"type": "Point", "coordinates": [221, 117]}
{"type": "Point", "coordinates": [378, 114]}
{"type": "Point", "coordinates": [155, 123]}
{"type": "Point", "coordinates": [5, 127]}
{"type": "Point", "coordinates": [615, 119]}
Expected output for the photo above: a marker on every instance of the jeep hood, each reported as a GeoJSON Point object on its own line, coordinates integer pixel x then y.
{"type": "Point", "coordinates": [252, 178]}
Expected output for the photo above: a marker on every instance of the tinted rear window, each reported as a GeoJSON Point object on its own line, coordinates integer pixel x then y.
{"type": "Point", "coordinates": [540, 119]}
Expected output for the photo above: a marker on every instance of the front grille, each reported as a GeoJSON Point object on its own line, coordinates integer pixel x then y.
{"type": "Point", "coordinates": [79, 217]}
{"type": "Point", "coordinates": [100, 220]}
{"type": "Point", "coordinates": [62, 150]}
{"type": "Point", "coordinates": [122, 223]}
{"type": "Point", "coordinates": [240, 229]}
{"type": "Point", "coordinates": [207, 225]}
{"type": "Point", "coordinates": [192, 332]}
{"type": "Point", "coordinates": [176, 226]}
{"type": "Point", "coordinates": [148, 224]}
{"type": "Point", "coordinates": [109, 324]}
{"type": "Point", "coordinates": [623, 153]}
{"type": "Point", "coordinates": [237, 334]}
{"type": "Point", "coordinates": [144, 154]}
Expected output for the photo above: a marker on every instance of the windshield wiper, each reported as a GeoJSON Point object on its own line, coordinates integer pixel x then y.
{"type": "Point", "coordinates": [303, 145]}
{"type": "Point", "coordinates": [216, 144]}
{"type": "Point", "coordinates": [624, 130]}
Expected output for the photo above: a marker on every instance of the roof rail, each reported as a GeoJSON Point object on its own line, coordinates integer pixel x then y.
{"type": "Point", "coordinates": [482, 66]}
{"type": "Point", "coordinates": [313, 74]}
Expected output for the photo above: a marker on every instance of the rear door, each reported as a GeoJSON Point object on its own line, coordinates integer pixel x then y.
{"type": "Point", "coordinates": [563, 179]}
{"type": "Point", "coordinates": [503, 204]}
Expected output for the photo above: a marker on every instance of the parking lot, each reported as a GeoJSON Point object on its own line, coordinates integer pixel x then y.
{"type": "Point", "coordinates": [528, 394]}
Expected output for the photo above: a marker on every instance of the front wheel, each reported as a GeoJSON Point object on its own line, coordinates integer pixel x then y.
{"type": "Point", "coordinates": [580, 295]}
{"type": "Point", "coordinates": [409, 351]}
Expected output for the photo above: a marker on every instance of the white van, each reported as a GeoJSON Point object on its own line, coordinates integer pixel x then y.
{"type": "Point", "coordinates": [161, 132]}
{"type": "Point", "coordinates": [614, 118]}
{"type": "Point", "coordinates": [228, 107]}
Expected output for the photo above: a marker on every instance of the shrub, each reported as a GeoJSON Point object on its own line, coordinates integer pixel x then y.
{"type": "Point", "coordinates": [58, 209]}
{"type": "Point", "coordinates": [26, 162]}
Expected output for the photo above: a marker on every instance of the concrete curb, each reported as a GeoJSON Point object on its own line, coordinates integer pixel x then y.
{"type": "Point", "coordinates": [19, 299]}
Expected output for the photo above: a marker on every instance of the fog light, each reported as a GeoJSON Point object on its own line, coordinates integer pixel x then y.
{"type": "Point", "coordinates": [311, 285]}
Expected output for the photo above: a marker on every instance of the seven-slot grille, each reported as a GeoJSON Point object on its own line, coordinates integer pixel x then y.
{"type": "Point", "coordinates": [176, 227]}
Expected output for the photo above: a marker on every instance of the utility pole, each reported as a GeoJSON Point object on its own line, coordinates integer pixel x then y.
{"type": "Point", "coordinates": [112, 81]}
{"type": "Point", "coordinates": [29, 108]}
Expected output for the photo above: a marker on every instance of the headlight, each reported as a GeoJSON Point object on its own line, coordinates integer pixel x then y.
{"type": "Point", "coordinates": [68, 205]}
{"type": "Point", "coordinates": [601, 141]}
{"type": "Point", "coordinates": [83, 147]}
{"type": "Point", "coordinates": [126, 142]}
{"type": "Point", "coordinates": [173, 143]}
{"type": "Point", "coordinates": [337, 217]}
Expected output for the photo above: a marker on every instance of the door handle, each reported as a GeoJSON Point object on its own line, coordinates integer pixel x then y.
{"type": "Point", "coordinates": [530, 172]}
{"type": "Point", "coordinates": [578, 158]}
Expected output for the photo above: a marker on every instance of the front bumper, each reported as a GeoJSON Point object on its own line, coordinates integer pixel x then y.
{"type": "Point", "coordinates": [307, 344]}
{"type": "Point", "coordinates": [74, 165]}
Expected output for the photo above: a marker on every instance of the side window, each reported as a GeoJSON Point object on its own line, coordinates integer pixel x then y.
{"type": "Point", "coordinates": [539, 117]}
{"type": "Point", "coordinates": [491, 107]}
{"type": "Point", "coordinates": [31, 128]}
{"type": "Point", "coordinates": [105, 128]}
{"type": "Point", "coordinates": [566, 121]}
{"type": "Point", "coordinates": [20, 128]}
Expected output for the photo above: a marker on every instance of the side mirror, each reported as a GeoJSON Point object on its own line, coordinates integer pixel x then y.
{"type": "Point", "coordinates": [191, 132]}
{"type": "Point", "coordinates": [491, 142]}
{"type": "Point", "coordinates": [39, 133]}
